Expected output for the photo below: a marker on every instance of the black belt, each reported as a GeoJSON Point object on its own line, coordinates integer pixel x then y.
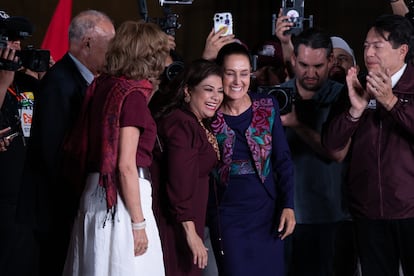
{"type": "Point", "coordinates": [144, 173]}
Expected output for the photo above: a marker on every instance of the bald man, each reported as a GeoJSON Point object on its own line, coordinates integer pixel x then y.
{"type": "Point", "coordinates": [47, 202]}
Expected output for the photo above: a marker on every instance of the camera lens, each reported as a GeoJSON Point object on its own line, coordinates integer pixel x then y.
{"type": "Point", "coordinates": [174, 69]}
{"type": "Point", "coordinates": [283, 95]}
{"type": "Point", "coordinates": [282, 98]}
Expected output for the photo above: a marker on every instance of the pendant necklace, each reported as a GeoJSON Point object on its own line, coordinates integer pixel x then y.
{"type": "Point", "coordinates": [211, 139]}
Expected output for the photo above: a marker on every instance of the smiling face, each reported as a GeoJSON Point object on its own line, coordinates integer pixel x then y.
{"type": "Point", "coordinates": [206, 97]}
{"type": "Point", "coordinates": [236, 79]}
{"type": "Point", "coordinates": [379, 53]}
{"type": "Point", "coordinates": [311, 67]}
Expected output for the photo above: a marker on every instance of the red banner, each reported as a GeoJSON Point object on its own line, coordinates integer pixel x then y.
{"type": "Point", "coordinates": [56, 39]}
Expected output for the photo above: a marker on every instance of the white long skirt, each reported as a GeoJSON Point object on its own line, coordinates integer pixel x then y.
{"type": "Point", "coordinates": [103, 246]}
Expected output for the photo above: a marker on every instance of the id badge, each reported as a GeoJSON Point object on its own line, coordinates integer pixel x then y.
{"type": "Point", "coordinates": [26, 121]}
{"type": "Point", "coordinates": [26, 112]}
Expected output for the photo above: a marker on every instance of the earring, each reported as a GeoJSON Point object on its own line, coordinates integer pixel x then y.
{"type": "Point", "coordinates": [187, 98]}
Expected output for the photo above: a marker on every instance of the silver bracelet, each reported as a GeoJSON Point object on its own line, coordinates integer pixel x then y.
{"type": "Point", "coordinates": [139, 225]}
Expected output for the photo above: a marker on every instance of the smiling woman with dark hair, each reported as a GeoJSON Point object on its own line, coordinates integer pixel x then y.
{"type": "Point", "coordinates": [254, 177]}
{"type": "Point", "coordinates": [186, 153]}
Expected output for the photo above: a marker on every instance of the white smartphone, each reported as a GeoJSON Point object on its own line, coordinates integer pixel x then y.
{"type": "Point", "coordinates": [223, 20]}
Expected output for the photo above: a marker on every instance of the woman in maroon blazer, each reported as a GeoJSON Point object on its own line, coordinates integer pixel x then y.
{"type": "Point", "coordinates": [183, 159]}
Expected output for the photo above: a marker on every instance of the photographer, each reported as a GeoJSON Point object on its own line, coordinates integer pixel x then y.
{"type": "Point", "coordinates": [16, 103]}
{"type": "Point", "coordinates": [318, 179]}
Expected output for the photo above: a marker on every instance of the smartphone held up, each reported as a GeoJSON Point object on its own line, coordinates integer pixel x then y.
{"type": "Point", "coordinates": [223, 20]}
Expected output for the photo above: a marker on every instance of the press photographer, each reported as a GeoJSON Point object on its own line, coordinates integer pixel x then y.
{"type": "Point", "coordinates": [13, 30]}
{"type": "Point", "coordinates": [17, 90]}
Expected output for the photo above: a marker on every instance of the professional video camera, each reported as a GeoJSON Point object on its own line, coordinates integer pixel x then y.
{"type": "Point", "coordinates": [169, 23]}
{"type": "Point", "coordinates": [284, 96]}
{"type": "Point", "coordinates": [18, 28]}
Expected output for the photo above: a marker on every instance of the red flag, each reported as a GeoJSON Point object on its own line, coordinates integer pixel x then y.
{"type": "Point", "coordinates": [56, 39]}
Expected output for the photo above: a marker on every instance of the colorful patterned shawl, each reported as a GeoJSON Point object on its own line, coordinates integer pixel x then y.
{"type": "Point", "coordinates": [258, 136]}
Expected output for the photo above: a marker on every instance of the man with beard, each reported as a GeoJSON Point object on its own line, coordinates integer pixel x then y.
{"type": "Point", "coordinates": [318, 178]}
{"type": "Point", "coordinates": [343, 59]}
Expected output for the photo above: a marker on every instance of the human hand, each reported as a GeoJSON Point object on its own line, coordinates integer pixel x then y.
{"type": "Point", "coordinates": [214, 42]}
{"type": "Point", "coordinates": [4, 142]}
{"type": "Point", "coordinates": [52, 62]}
{"type": "Point", "coordinates": [7, 76]}
{"type": "Point", "coordinates": [282, 26]}
{"type": "Point", "coordinates": [140, 242]}
{"type": "Point", "coordinates": [290, 119]}
{"type": "Point", "coordinates": [171, 42]}
{"type": "Point", "coordinates": [198, 249]}
{"type": "Point", "coordinates": [287, 223]}
{"type": "Point", "coordinates": [379, 86]}
{"type": "Point", "coordinates": [358, 96]}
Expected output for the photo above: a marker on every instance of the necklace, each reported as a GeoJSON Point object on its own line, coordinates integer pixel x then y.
{"type": "Point", "coordinates": [211, 139]}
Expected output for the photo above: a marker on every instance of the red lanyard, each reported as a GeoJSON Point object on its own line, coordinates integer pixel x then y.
{"type": "Point", "coordinates": [14, 93]}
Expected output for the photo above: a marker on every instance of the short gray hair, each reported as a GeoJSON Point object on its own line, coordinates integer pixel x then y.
{"type": "Point", "coordinates": [85, 22]}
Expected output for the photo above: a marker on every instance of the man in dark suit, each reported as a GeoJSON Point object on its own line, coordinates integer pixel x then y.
{"type": "Point", "coordinates": [47, 202]}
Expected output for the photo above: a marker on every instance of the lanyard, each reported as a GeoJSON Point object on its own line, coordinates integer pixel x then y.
{"type": "Point", "coordinates": [14, 93]}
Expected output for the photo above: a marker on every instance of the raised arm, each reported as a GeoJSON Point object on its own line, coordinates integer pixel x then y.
{"type": "Point", "coordinates": [399, 7]}
{"type": "Point", "coordinates": [214, 42]}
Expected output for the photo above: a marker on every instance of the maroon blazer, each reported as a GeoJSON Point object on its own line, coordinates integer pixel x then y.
{"type": "Point", "coordinates": [180, 186]}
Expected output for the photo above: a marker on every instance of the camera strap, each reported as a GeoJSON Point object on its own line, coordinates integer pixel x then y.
{"type": "Point", "coordinates": [15, 94]}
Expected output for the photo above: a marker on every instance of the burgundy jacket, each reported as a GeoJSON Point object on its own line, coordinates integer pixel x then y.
{"type": "Point", "coordinates": [381, 169]}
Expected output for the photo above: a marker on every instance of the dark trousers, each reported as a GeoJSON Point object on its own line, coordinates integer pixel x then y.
{"type": "Point", "coordinates": [310, 250]}
{"type": "Point", "coordinates": [18, 251]}
{"type": "Point", "coordinates": [346, 255]}
{"type": "Point", "coordinates": [383, 244]}
{"type": "Point", "coordinates": [53, 245]}
{"type": "Point", "coordinates": [327, 249]}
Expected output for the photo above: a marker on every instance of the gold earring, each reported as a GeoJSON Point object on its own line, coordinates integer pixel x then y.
{"type": "Point", "coordinates": [187, 98]}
